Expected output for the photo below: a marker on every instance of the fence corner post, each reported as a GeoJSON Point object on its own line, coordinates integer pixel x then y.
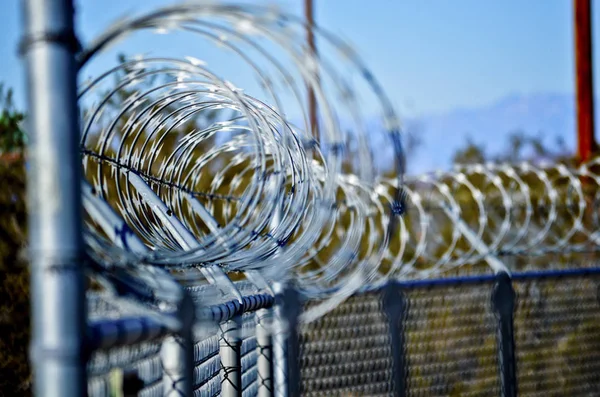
{"type": "Point", "coordinates": [177, 353]}
{"type": "Point", "coordinates": [264, 350]}
{"type": "Point", "coordinates": [286, 349]}
{"type": "Point", "coordinates": [394, 305]}
{"type": "Point", "coordinates": [503, 302]}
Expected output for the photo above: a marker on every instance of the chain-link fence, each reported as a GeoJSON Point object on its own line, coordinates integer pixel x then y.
{"type": "Point", "coordinates": [557, 336]}
{"type": "Point", "coordinates": [171, 215]}
{"type": "Point", "coordinates": [450, 333]}
{"type": "Point", "coordinates": [348, 350]}
{"type": "Point", "coordinates": [446, 337]}
{"type": "Point", "coordinates": [451, 341]}
{"type": "Point", "coordinates": [135, 355]}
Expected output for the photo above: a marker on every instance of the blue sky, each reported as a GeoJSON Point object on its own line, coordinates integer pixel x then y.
{"type": "Point", "coordinates": [432, 55]}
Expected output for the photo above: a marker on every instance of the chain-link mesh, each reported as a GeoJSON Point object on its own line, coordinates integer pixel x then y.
{"type": "Point", "coordinates": [137, 368]}
{"type": "Point", "coordinates": [557, 337]}
{"type": "Point", "coordinates": [450, 334]}
{"type": "Point", "coordinates": [139, 364]}
{"type": "Point", "coordinates": [249, 355]}
{"type": "Point", "coordinates": [347, 352]}
{"type": "Point", "coordinates": [208, 366]}
{"type": "Point", "coordinates": [451, 346]}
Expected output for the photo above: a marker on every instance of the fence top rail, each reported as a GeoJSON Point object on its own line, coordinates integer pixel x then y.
{"type": "Point", "coordinates": [228, 310]}
{"type": "Point", "coordinates": [110, 333]}
{"type": "Point", "coordinates": [489, 278]}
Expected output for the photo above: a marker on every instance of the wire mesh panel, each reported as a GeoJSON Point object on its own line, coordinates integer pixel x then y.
{"type": "Point", "coordinates": [347, 352]}
{"type": "Point", "coordinates": [207, 374]}
{"type": "Point", "coordinates": [138, 366]}
{"type": "Point", "coordinates": [557, 336]}
{"type": "Point", "coordinates": [140, 370]}
{"type": "Point", "coordinates": [450, 335]}
{"type": "Point", "coordinates": [207, 382]}
{"type": "Point", "coordinates": [249, 355]}
{"type": "Point", "coordinates": [450, 341]}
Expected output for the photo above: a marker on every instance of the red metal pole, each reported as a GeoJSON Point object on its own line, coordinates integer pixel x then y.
{"type": "Point", "coordinates": [585, 82]}
{"type": "Point", "coordinates": [310, 38]}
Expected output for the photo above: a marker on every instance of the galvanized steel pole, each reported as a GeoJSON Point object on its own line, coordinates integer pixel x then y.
{"type": "Point", "coordinates": [286, 368]}
{"type": "Point", "coordinates": [503, 303]}
{"type": "Point", "coordinates": [230, 346]}
{"type": "Point", "coordinates": [264, 347]}
{"type": "Point", "coordinates": [177, 353]}
{"type": "Point", "coordinates": [54, 198]}
{"type": "Point", "coordinates": [585, 80]}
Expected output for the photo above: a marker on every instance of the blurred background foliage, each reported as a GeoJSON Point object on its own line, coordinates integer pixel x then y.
{"type": "Point", "coordinates": [14, 277]}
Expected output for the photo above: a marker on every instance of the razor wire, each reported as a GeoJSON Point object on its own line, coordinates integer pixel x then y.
{"type": "Point", "coordinates": [251, 188]}
{"type": "Point", "coordinates": [167, 141]}
{"type": "Point", "coordinates": [487, 214]}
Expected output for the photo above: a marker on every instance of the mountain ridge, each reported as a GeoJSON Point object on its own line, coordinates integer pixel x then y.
{"type": "Point", "coordinates": [548, 115]}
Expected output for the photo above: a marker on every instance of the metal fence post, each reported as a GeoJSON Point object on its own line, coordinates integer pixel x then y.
{"type": "Point", "coordinates": [264, 350]}
{"type": "Point", "coordinates": [230, 346]}
{"type": "Point", "coordinates": [286, 348]}
{"type": "Point", "coordinates": [58, 314]}
{"type": "Point", "coordinates": [503, 301]}
{"type": "Point", "coordinates": [394, 306]}
{"type": "Point", "coordinates": [177, 354]}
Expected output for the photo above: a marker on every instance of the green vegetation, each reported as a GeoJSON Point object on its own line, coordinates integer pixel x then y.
{"type": "Point", "coordinates": [14, 277]}
{"type": "Point", "coordinates": [521, 146]}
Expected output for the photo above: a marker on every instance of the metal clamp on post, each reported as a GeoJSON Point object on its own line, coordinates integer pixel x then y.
{"type": "Point", "coordinates": [503, 302]}
{"type": "Point", "coordinates": [177, 353]}
{"type": "Point", "coordinates": [395, 307]}
{"type": "Point", "coordinates": [286, 349]}
{"type": "Point", "coordinates": [230, 345]}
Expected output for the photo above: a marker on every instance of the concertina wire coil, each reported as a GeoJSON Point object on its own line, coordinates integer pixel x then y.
{"type": "Point", "coordinates": [247, 184]}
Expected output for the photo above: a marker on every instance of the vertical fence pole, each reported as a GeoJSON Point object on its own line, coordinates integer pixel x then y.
{"type": "Point", "coordinates": [584, 79]}
{"type": "Point", "coordinates": [503, 301]}
{"type": "Point", "coordinates": [177, 354]}
{"type": "Point", "coordinates": [286, 348]}
{"type": "Point", "coordinates": [54, 200]}
{"type": "Point", "coordinates": [230, 347]}
{"type": "Point", "coordinates": [394, 306]}
{"type": "Point", "coordinates": [264, 350]}
{"type": "Point", "coordinates": [310, 38]}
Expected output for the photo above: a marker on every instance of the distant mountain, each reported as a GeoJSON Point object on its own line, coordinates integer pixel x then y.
{"type": "Point", "coordinates": [547, 115]}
